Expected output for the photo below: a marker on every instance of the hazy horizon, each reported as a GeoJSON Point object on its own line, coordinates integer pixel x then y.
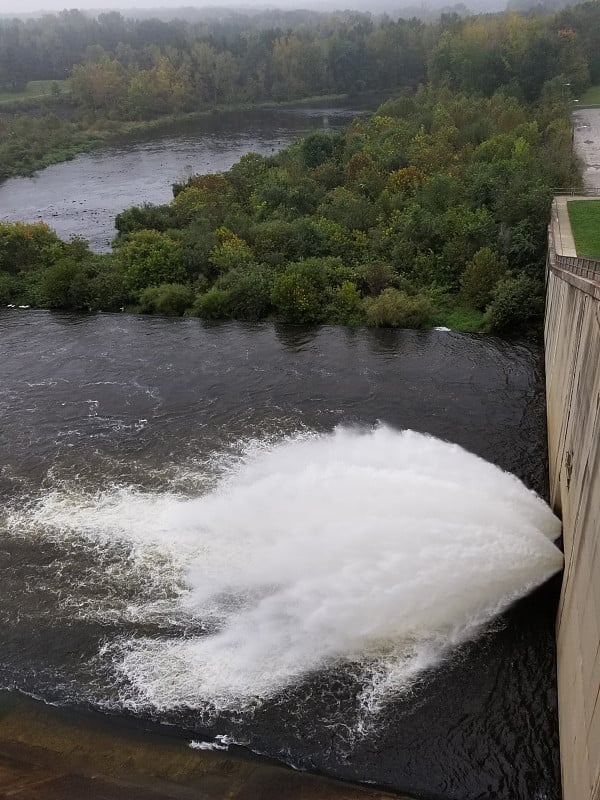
{"type": "Point", "coordinates": [34, 7]}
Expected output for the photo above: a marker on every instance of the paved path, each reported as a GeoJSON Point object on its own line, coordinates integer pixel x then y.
{"type": "Point", "coordinates": [586, 140]}
{"type": "Point", "coordinates": [561, 226]}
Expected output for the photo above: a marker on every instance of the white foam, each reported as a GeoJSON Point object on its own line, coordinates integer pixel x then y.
{"type": "Point", "coordinates": [380, 550]}
{"type": "Point", "coordinates": [383, 548]}
{"type": "Point", "coordinates": [221, 742]}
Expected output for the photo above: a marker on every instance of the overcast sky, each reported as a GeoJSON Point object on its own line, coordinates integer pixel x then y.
{"type": "Point", "coordinates": [25, 6]}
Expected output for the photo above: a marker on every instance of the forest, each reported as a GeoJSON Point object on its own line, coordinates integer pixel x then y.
{"type": "Point", "coordinates": [432, 212]}
{"type": "Point", "coordinates": [109, 75]}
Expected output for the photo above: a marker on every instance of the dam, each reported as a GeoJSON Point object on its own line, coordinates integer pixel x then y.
{"type": "Point", "coordinates": [572, 355]}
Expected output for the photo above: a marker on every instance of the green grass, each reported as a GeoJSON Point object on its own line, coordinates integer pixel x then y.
{"type": "Point", "coordinates": [465, 320]}
{"type": "Point", "coordinates": [591, 97]}
{"type": "Point", "coordinates": [34, 90]}
{"type": "Point", "coordinates": [585, 224]}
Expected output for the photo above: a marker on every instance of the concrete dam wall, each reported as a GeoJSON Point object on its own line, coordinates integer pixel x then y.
{"type": "Point", "coordinates": [572, 339]}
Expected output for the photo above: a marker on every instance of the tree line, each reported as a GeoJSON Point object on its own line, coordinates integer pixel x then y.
{"type": "Point", "coordinates": [344, 54]}
{"type": "Point", "coordinates": [275, 54]}
{"type": "Point", "coordinates": [130, 69]}
{"type": "Point", "coordinates": [123, 73]}
{"type": "Point", "coordinates": [433, 211]}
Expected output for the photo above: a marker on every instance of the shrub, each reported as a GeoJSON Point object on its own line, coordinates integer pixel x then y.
{"type": "Point", "coordinates": [230, 252]}
{"type": "Point", "coordinates": [346, 305]}
{"type": "Point", "coordinates": [248, 292]}
{"type": "Point", "coordinates": [518, 301]}
{"type": "Point", "coordinates": [299, 294]}
{"type": "Point", "coordinates": [170, 299]}
{"type": "Point", "coordinates": [196, 243]}
{"type": "Point", "coordinates": [275, 241]}
{"type": "Point", "coordinates": [396, 309]}
{"type": "Point", "coordinates": [106, 285]}
{"type": "Point", "coordinates": [17, 288]}
{"type": "Point", "coordinates": [213, 304]}
{"type": "Point", "coordinates": [145, 217]}
{"type": "Point", "coordinates": [351, 211]}
{"type": "Point", "coordinates": [90, 285]}
{"type": "Point", "coordinates": [28, 246]}
{"type": "Point", "coordinates": [63, 286]}
{"type": "Point", "coordinates": [376, 276]}
{"type": "Point", "coordinates": [316, 148]}
{"type": "Point", "coordinates": [150, 258]}
{"type": "Point", "coordinates": [480, 277]}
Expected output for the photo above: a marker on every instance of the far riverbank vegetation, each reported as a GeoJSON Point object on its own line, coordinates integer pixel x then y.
{"type": "Point", "coordinates": [432, 212]}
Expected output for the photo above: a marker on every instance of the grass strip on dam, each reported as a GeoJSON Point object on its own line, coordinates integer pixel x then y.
{"type": "Point", "coordinates": [585, 224]}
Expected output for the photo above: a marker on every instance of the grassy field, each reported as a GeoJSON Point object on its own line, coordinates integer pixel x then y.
{"type": "Point", "coordinates": [585, 223]}
{"type": "Point", "coordinates": [591, 97]}
{"type": "Point", "coordinates": [33, 91]}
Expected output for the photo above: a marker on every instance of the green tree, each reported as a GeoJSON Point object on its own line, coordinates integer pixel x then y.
{"type": "Point", "coordinates": [149, 258]}
{"type": "Point", "coordinates": [231, 251]}
{"type": "Point", "coordinates": [248, 292]}
{"type": "Point", "coordinates": [299, 293]}
{"type": "Point", "coordinates": [480, 277]}
{"type": "Point", "coordinates": [346, 305]}
{"type": "Point", "coordinates": [28, 246]}
{"type": "Point", "coordinates": [351, 211]}
{"type": "Point", "coordinates": [316, 148]}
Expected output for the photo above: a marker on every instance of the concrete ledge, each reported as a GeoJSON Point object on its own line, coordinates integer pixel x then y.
{"type": "Point", "coordinates": [583, 284]}
{"type": "Point", "coordinates": [572, 339]}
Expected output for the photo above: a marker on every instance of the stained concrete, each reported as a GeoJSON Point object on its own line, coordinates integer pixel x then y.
{"type": "Point", "coordinates": [572, 339]}
{"type": "Point", "coordinates": [49, 753]}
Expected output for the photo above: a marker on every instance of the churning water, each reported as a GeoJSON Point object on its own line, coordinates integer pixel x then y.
{"type": "Point", "coordinates": [210, 538]}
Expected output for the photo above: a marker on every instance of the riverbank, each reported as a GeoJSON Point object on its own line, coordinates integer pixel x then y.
{"type": "Point", "coordinates": [49, 753]}
{"type": "Point", "coordinates": [46, 139]}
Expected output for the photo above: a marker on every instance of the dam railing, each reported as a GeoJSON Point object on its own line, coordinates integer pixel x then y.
{"type": "Point", "coordinates": [576, 191]}
{"type": "Point", "coordinates": [584, 267]}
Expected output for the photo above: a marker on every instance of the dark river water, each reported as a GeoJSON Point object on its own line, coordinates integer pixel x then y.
{"type": "Point", "coordinates": [114, 428]}
{"type": "Point", "coordinates": [83, 196]}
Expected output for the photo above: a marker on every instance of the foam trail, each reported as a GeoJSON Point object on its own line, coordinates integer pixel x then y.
{"type": "Point", "coordinates": [379, 549]}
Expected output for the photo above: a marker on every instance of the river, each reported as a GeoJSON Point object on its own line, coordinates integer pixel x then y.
{"type": "Point", "coordinates": [82, 197]}
{"type": "Point", "coordinates": [203, 523]}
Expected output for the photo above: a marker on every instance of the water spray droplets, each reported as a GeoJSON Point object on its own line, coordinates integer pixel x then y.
{"type": "Point", "coordinates": [376, 552]}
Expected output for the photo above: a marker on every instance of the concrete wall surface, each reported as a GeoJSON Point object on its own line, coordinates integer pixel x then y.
{"type": "Point", "coordinates": [572, 338]}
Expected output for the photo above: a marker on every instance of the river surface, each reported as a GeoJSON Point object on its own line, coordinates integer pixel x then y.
{"type": "Point", "coordinates": [82, 197]}
{"type": "Point", "coordinates": [124, 439]}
